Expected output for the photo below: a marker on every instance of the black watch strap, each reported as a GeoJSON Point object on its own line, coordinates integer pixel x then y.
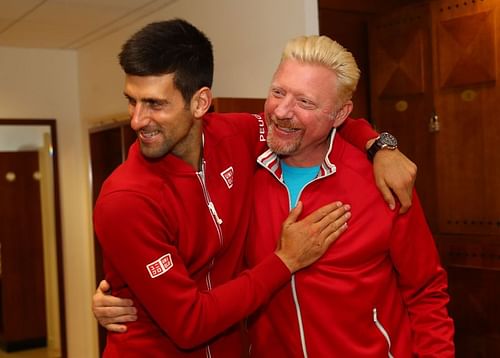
{"type": "Point", "coordinates": [384, 141]}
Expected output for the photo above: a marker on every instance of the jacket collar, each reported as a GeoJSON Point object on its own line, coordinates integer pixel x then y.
{"type": "Point", "coordinates": [271, 161]}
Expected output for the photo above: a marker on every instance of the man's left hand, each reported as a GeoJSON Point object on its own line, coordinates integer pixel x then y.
{"type": "Point", "coordinates": [395, 174]}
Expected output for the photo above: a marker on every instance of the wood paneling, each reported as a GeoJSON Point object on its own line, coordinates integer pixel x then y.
{"type": "Point", "coordinates": [22, 308]}
{"type": "Point", "coordinates": [401, 91]}
{"type": "Point", "coordinates": [473, 266]}
{"type": "Point", "coordinates": [466, 99]}
{"type": "Point", "coordinates": [108, 149]}
{"type": "Point", "coordinates": [461, 162]}
{"type": "Point", "coordinates": [350, 29]}
{"type": "Point", "coordinates": [372, 6]}
{"type": "Point", "coordinates": [232, 105]}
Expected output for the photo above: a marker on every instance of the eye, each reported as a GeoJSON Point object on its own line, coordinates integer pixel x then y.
{"type": "Point", "coordinates": [131, 101]}
{"type": "Point", "coordinates": [277, 92]}
{"type": "Point", "coordinates": [156, 106]}
{"type": "Point", "coordinates": [306, 103]}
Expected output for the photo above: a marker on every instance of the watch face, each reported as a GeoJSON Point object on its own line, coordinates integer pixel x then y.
{"type": "Point", "coordinates": [388, 140]}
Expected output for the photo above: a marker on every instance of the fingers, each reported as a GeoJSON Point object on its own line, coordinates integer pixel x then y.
{"type": "Point", "coordinates": [294, 214]}
{"type": "Point", "coordinates": [334, 219]}
{"type": "Point", "coordinates": [111, 317]}
{"type": "Point", "coordinates": [104, 286]}
{"type": "Point", "coordinates": [303, 242]}
{"type": "Point", "coordinates": [119, 328]}
{"type": "Point", "coordinates": [334, 229]}
{"type": "Point", "coordinates": [116, 313]}
{"type": "Point", "coordinates": [110, 311]}
{"type": "Point", "coordinates": [320, 214]}
{"type": "Point", "coordinates": [106, 300]}
{"type": "Point", "coordinates": [107, 315]}
{"type": "Point", "coordinates": [335, 234]}
{"type": "Point", "coordinates": [386, 194]}
{"type": "Point", "coordinates": [395, 176]}
{"type": "Point", "coordinates": [405, 198]}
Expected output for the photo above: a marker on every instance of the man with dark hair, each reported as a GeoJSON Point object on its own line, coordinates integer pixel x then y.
{"type": "Point", "coordinates": [172, 219]}
{"type": "Point", "coordinates": [178, 48]}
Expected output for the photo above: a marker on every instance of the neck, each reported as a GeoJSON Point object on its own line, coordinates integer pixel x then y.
{"type": "Point", "coordinates": [310, 158]}
{"type": "Point", "coordinates": [190, 148]}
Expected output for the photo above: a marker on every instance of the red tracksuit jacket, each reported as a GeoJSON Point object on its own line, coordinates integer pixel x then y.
{"type": "Point", "coordinates": [173, 240]}
{"type": "Point", "coordinates": [379, 291]}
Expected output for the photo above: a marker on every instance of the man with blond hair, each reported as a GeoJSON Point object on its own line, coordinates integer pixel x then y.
{"type": "Point", "coordinates": [380, 290]}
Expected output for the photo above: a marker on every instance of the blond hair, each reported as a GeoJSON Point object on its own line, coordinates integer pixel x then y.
{"type": "Point", "coordinates": [324, 51]}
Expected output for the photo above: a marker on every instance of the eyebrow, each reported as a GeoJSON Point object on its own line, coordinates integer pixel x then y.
{"type": "Point", "coordinates": [146, 100]}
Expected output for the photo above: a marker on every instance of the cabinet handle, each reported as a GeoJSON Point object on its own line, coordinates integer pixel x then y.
{"type": "Point", "coordinates": [434, 123]}
{"type": "Point", "coordinates": [10, 177]}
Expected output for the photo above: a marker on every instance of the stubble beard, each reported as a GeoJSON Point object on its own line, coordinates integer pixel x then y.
{"type": "Point", "coordinates": [155, 151]}
{"type": "Point", "coordinates": [282, 147]}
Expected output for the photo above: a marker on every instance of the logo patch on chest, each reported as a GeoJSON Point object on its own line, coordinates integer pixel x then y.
{"type": "Point", "coordinates": [160, 266]}
{"type": "Point", "coordinates": [228, 176]}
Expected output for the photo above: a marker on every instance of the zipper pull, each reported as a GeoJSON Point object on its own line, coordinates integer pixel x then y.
{"type": "Point", "coordinates": [211, 206]}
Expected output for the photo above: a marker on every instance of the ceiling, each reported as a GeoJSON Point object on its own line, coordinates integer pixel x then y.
{"type": "Point", "coordinates": [68, 24]}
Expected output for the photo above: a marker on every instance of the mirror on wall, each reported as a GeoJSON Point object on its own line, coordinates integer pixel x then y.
{"type": "Point", "coordinates": [31, 274]}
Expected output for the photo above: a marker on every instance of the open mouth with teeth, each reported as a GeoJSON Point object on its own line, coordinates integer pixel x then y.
{"type": "Point", "coordinates": [148, 136]}
{"type": "Point", "coordinates": [286, 129]}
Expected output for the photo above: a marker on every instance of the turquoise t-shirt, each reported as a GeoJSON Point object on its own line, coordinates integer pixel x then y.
{"type": "Point", "coordinates": [296, 178]}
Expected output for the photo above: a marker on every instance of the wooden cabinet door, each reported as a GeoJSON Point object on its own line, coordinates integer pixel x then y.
{"type": "Point", "coordinates": [456, 79]}
{"type": "Point", "coordinates": [108, 149]}
{"type": "Point", "coordinates": [466, 62]}
{"type": "Point", "coordinates": [443, 57]}
{"type": "Point", "coordinates": [401, 90]}
{"type": "Point", "coordinates": [467, 95]}
{"type": "Point", "coordinates": [22, 301]}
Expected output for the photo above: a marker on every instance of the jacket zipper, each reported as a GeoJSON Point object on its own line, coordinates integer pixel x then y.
{"type": "Point", "coordinates": [293, 285]}
{"type": "Point", "coordinates": [383, 331]}
{"type": "Point", "coordinates": [211, 207]}
{"type": "Point", "coordinates": [299, 318]}
{"type": "Point", "coordinates": [217, 222]}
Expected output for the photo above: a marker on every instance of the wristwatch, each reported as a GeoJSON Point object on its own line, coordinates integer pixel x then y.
{"type": "Point", "coordinates": [384, 141]}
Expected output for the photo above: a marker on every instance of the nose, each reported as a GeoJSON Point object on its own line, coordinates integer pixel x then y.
{"type": "Point", "coordinates": [138, 117]}
{"type": "Point", "coordinates": [284, 107]}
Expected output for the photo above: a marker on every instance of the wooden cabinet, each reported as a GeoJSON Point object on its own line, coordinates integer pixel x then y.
{"type": "Point", "coordinates": [22, 281]}
{"type": "Point", "coordinates": [108, 149]}
{"type": "Point", "coordinates": [434, 83]}
{"type": "Point", "coordinates": [231, 105]}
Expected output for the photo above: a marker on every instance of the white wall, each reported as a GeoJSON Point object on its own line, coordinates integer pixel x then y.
{"type": "Point", "coordinates": [43, 84]}
{"type": "Point", "coordinates": [82, 89]}
{"type": "Point", "coordinates": [15, 138]}
{"type": "Point", "coordinates": [247, 36]}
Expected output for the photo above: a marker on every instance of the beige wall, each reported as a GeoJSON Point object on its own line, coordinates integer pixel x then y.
{"type": "Point", "coordinates": [81, 89]}
{"type": "Point", "coordinates": [44, 84]}
{"type": "Point", "coordinates": [247, 37]}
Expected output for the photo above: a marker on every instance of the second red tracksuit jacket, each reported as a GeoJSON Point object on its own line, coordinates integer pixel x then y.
{"type": "Point", "coordinates": [379, 291]}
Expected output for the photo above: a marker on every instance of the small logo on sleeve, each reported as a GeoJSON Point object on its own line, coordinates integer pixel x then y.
{"type": "Point", "coordinates": [228, 176]}
{"type": "Point", "coordinates": [160, 266]}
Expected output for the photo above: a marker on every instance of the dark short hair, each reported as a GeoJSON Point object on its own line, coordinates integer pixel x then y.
{"type": "Point", "coordinates": [173, 46]}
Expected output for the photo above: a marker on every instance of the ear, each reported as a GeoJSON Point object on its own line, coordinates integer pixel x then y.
{"type": "Point", "coordinates": [201, 102]}
{"type": "Point", "coordinates": [342, 114]}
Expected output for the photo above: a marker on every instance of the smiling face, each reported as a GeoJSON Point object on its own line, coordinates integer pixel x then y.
{"type": "Point", "coordinates": [159, 115]}
{"type": "Point", "coordinates": [301, 111]}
